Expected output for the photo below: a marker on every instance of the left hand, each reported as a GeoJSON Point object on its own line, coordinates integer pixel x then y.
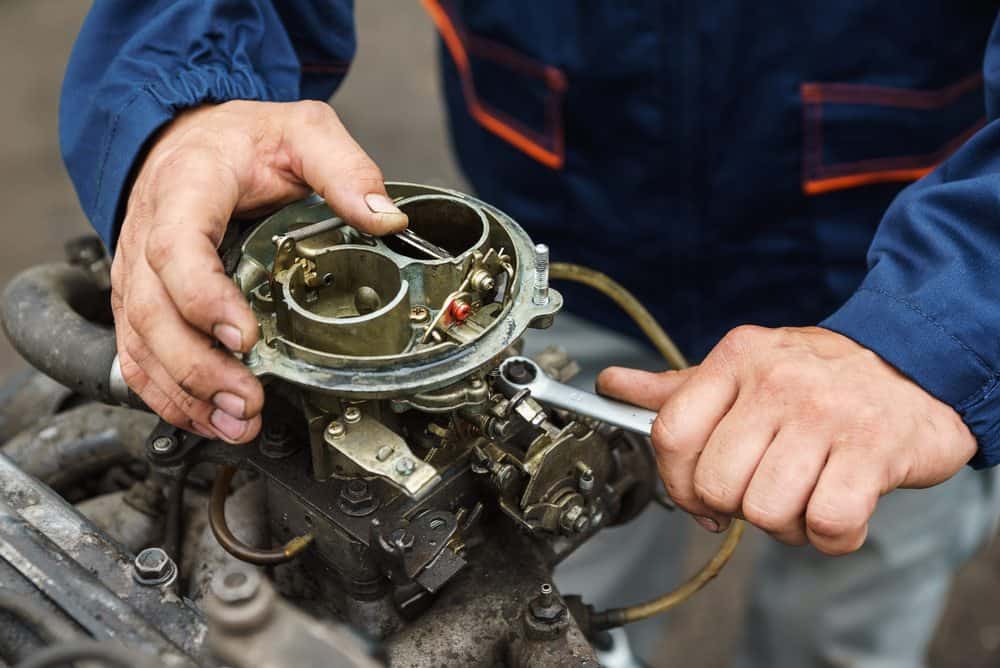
{"type": "Point", "coordinates": [797, 430]}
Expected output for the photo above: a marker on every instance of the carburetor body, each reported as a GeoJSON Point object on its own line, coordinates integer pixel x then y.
{"type": "Point", "coordinates": [385, 438]}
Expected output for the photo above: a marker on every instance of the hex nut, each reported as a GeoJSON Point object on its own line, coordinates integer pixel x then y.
{"type": "Point", "coordinates": [570, 519]}
{"type": "Point", "coordinates": [357, 498]}
{"type": "Point", "coordinates": [153, 566]}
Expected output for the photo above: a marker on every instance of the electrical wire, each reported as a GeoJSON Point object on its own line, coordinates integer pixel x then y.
{"type": "Point", "coordinates": [564, 271]}
{"type": "Point", "coordinates": [232, 544]}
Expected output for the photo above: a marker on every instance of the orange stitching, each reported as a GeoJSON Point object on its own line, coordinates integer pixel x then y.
{"type": "Point", "coordinates": [826, 185]}
{"type": "Point", "coordinates": [865, 94]}
{"type": "Point", "coordinates": [489, 118]}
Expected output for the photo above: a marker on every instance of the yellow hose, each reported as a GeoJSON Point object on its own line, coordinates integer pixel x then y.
{"type": "Point", "coordinates": [563, 271]}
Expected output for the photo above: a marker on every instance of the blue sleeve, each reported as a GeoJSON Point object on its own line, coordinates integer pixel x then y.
{"type": "Point", "coordinates": [135, 65]}
{"type": "Point", "coordinates": [930, 303]}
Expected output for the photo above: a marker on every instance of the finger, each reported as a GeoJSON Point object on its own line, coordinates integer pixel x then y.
{"type": "Point", "coordinates": [777, 496]}
{"type": "Point", "coordinates": [732, 455]}
{"type": "Point", "coordinates": [327, 158]}
{"type": "Point", "coordinates": [195, 372]}
{"type": "Point", "coordinates": [681, 431]}
{"type": "Point", "coordinates": [641, 388]}
{"type": "Point", "coordinates": [842, 503]}
{"type": "Point", "coordinates": [187, 225]}
{"type": "Point", "coordinates": [139, 381]}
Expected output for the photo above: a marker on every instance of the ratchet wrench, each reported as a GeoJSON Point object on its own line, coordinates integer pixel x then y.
{"type": "Point", "coordinates": [522, 373]}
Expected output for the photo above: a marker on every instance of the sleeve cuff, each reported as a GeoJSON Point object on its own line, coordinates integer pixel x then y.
{"type": "Point", "coordinates": [136, 121]}
{"type": "Point", "coordinates": [142, 114]}
{"type": "Point", "coordinates": [920, 347]}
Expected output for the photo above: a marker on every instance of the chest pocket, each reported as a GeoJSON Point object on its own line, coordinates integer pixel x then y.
{"type": "Point", "coordinates": [857, 134]}
{"type": "Point", "coordinates": [509, 94]}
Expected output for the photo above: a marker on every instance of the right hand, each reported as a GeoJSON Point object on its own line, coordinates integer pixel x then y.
{"type": "Point", "coordinates": [171, 298]}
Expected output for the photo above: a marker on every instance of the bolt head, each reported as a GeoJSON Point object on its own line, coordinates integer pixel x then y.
{"type": "Point", "coordinates": [404, 466]}
{"type": "Point", "coordinates": [352, 414]}
{"type": "Point", "coordinates": [164, 445]}
{"type": "Point", "coordinates": [357, 488]}
{"type": "Point", "coordinates": [153, 566]}
{"type": "Point", "coordinates": [336, 429]}
{"type": "Point", "coordinates": [519, 372]}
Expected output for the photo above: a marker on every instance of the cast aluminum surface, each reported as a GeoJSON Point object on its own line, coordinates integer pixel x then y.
{"type": "Point", "coordinates": [418, 368]}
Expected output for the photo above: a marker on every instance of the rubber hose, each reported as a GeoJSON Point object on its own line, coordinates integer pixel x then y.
{"type": "Point", "coordinates": [44, 311]}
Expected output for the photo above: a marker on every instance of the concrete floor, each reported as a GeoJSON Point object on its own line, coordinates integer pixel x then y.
{"type": "Point", "coordinates": [391, 104]}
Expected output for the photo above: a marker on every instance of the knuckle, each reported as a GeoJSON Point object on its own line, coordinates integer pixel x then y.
{"type": "Point", "coordinates": [196, 304]}
{"type": "Point", "coordinates": [183, 400]}
{"type": "Point", "coordinates": [665, 434]}
{"type": "Point", "coordinates": [140, 313]}
{"type": "Point", "coordinates": [715, 492]}
{"type": "Point", "coordinates": [763, 515]}
{"type": "Point", "coordinates": [739, 340]}
{"type": "Point", "coordinates": [830, 522]}
{"type": "Point", "coordinates": [314, 112]}
{"type": "Point", "coordinates": [160, 247]}
{"type": "Point", "coordinates": [195, 378]}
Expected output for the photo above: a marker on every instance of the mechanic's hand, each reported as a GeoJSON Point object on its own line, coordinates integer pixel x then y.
{"type": "Point", "coordinates": [171, 299]}
{"type": "Point", "coordinates": [799, 431]}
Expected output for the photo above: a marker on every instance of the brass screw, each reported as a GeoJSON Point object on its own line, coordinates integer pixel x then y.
{"type": "Point", "coordinates": [336, 429]}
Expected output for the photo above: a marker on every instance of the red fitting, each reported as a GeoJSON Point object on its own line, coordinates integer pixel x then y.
{"type": "Point", "coordinates": [459, 310]}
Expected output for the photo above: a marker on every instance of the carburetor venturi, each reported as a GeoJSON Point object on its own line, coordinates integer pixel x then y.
{"type": "Point", "coordinates": [362, 317]}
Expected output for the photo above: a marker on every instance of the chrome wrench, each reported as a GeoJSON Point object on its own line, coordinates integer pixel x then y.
{"type": "Point", "coordinates": [517, 374]}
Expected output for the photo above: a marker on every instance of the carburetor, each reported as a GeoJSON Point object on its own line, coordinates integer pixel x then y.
{"type": "Point", "coordinates": [391, 450]}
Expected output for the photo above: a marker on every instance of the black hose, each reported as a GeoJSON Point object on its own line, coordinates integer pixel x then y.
{"type": "Point", "coordinates": [83, 441]}
{"type": "Point", "coordinates": [107, 653]}
{"type": "Point", "coordinates": [48, 627]}
{"type": "Point", "coordinates": [49, 313]}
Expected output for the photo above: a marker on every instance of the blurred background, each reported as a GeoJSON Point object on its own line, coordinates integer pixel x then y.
{"type": "Point", "coordinates": [391, 104]}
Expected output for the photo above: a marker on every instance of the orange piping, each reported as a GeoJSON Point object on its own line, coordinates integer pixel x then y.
{"type": "Point", "coordinates": [549, 158]}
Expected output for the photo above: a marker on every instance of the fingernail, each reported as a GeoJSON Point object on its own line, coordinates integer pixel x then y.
{"type": "Point", "coordinates": [230, 336]}
{"type": "Point", "coordinates": [379, 203]}
{"type": "Point", "coordinates": [202, 429]}
{"type": "Point", "coordinates": [707, 523]}
{"type": "Point", "coordinates": [387, 214]}
{"type": "Point", "coordinates": [230, 427]}
{"type": "Point", "coordinates": [230, 403]}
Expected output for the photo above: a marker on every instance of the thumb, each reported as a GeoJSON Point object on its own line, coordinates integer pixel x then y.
{"type": "Point", "coordinates": [642, 388]}
{"type": "Point", "coordinates": [326, 157]}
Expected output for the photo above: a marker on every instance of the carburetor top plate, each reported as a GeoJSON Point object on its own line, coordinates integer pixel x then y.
{"type": "Point", "coordinates": [364, 317]}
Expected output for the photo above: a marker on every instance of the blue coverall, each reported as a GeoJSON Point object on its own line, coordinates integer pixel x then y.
{"type": "Point", "coordinates": [728, 161]}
